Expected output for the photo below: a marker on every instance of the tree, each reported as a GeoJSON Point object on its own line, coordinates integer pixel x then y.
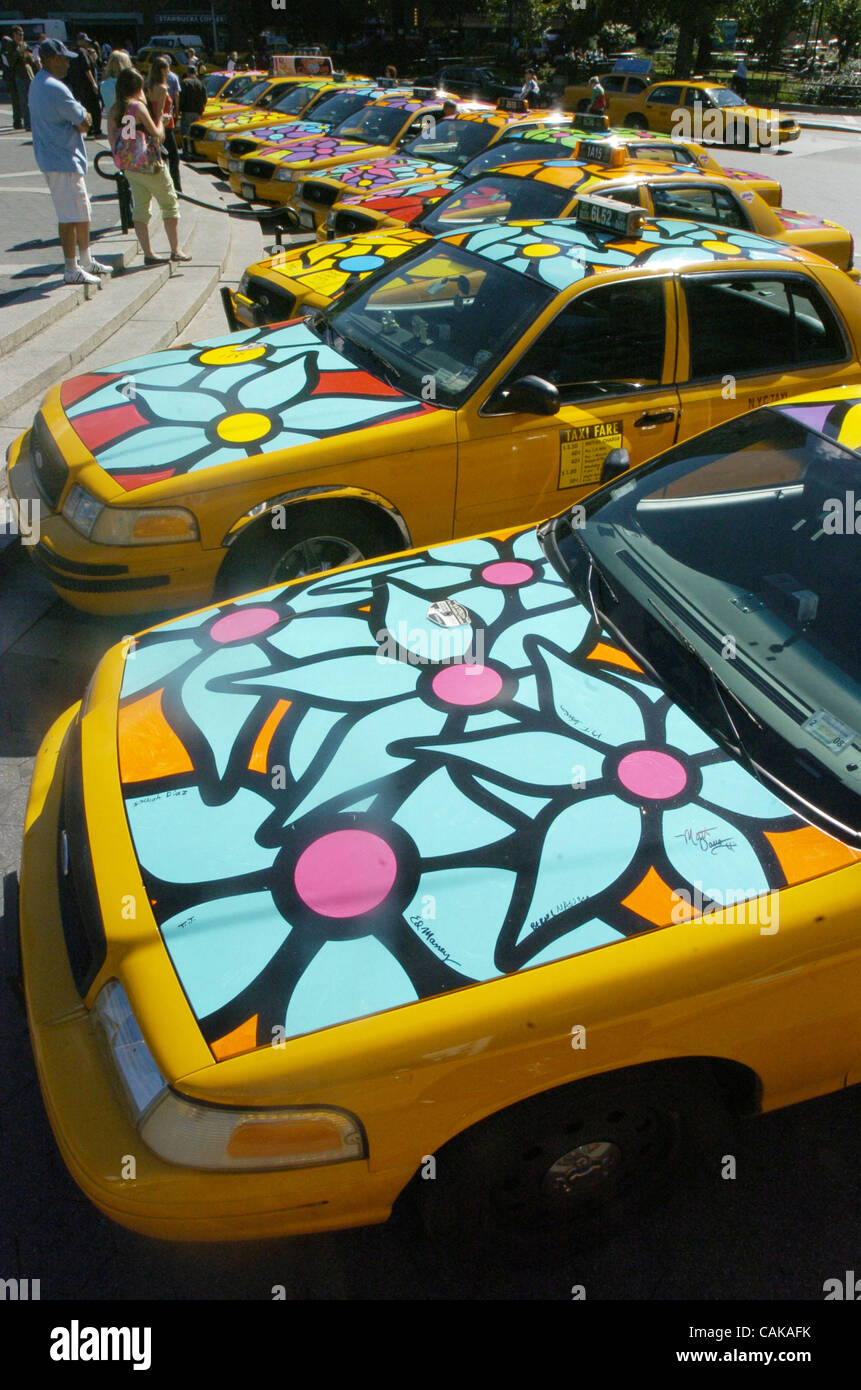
{"type": "Point", "coordinates": [768, 22]}
{"type": "Point", "coordinates": [843, 18]}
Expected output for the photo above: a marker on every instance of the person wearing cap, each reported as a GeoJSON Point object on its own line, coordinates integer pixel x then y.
{"type": "Point", "coordinates": [82, 83]}
{"type": "Point", "coordinates": [59, 123]}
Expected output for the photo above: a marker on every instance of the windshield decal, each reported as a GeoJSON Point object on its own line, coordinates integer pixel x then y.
{"type": "Point", "coordinates": [340, 807]}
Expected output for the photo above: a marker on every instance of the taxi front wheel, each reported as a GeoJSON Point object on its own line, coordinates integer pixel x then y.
{"type": "Point", "coordinates": [310, 539]}
{"type": "Point", "coordinates": [576, 1164]}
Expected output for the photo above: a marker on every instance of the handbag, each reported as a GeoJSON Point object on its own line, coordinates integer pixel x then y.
{"type": "Point", "coordinates": [138, 155]}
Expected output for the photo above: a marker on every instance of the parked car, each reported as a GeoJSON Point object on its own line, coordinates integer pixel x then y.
{"type": "Point", "coordinates": [531, 857]}
{"type": "Point", "coordinates": [476, 84]}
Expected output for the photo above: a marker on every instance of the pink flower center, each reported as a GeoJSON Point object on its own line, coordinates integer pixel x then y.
{"type": "Point", "coordinates": [467, 684]}
{"type": "Point", "coordinates": [656, 776]}
{"type": "Point", "coordinates": [243, 623]}
{"type": "Point", "coordinates": [345, 873]}
{"type": "Point", "coordinates": [507, 572]}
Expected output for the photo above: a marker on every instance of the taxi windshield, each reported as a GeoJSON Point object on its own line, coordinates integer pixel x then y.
{"type": "Point", "coordinates": [250, 95]}
{"type": "Point", "coordinates": [451, 141]}
{"type": "Point", "coordinates": [431, 325]}
{"type": "Point", "coordinates": [338, 107]}
{"type": "Point", "coordinates": [294, 99]}
{"type": "Point", "coordinates": [754, 628]}
{"type": "Point", "coordinates": [499, 196]}
{"type": "Point", "coordinates": [722, 96]}
{"type": "Point", "coordinates": [236, 87]}
{"type": "Point", "coordinates": [376, 125]}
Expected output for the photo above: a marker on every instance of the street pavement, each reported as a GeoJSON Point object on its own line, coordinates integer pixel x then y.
{"type": "Point", "coordinates": [784, 1226]}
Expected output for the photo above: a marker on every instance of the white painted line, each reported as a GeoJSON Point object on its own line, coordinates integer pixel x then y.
{"type": "Point", "coordinates": [24, 174]}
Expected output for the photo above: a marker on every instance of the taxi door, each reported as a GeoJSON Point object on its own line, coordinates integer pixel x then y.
{"type": "Point", "coordinates": [751, 336]}
{"type": "Point", "coordinates": [660, 107]}
{"type": "Point", "coordinates": [611, 352]}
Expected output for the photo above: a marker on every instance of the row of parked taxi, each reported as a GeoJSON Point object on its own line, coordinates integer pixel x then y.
{"type": "Point", "coordinates": [429, 843]}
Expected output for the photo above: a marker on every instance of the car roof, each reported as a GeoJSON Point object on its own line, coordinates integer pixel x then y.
{"type": "Point", "coordinates": [563, 251]}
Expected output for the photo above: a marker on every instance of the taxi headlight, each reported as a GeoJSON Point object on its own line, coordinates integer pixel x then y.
{"type": "Point", "coordinates": [144, 526]}
{"type": "Point", "coordinates": [244, 282]}
{"type": "Point", "coordinates": [284, 175]}
{"type": "Point", "coordinates": [218, 1137]}
{"type": "Point", "coordinates": [82, 510]}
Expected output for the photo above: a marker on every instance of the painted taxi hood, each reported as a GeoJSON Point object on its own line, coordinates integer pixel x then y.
{"type": "Point", "coordinates": [310, 150]}
{"type": "Point", "coordinates": [418, 774]}
{"type": "Point", "coordinates": [380, 173]}
{"type": "Point", "coordinates": [192, 409]}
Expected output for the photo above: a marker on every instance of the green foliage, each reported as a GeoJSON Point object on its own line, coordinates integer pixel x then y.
{"type": "Point", "coordinates": [844, 19]}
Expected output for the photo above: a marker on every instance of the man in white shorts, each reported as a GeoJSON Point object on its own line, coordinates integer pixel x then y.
{"type": "Point", "coordinates": [58, 123]}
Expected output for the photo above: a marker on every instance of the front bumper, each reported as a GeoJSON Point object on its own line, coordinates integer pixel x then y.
{"type": "Point", "coordinates": [90, 1126]}
{"type": "Point", "coordinates": [109, 580]}
{"type": "Point", "coordinates": [264, 191]}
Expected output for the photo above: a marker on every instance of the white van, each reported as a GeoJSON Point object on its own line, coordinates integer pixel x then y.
{"type": "Point", "coordinates": [164, 43]}
{"type": "Point", "coordinates": [33, 28]}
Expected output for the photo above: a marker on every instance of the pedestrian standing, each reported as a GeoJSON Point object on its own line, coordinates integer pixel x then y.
{"type": "Point", "coordinates": [83, 86]}
{"type": "Point", "coordinates": [156, 182]}
{"type": "Point", "coordinates": [530, 89]}
{"type": "Point", "coordinates": [160, 103]}
{"type": "Point", "coordinates": [170, 125]}
{"type": "Point", "coordinates": [193, 101]}
{"type": "Point", "coordinates": [231, 63]}
{"type": "Point", "coordinates": [59, 123]}
{"type": "Point", "coordinates": [19, 60]}
{"type": "Point", "coordinates": [599, 103]}
{"type": "Point", "coordinates": [113, 67]}
{"type": "Point", "coordinates": [740, 77]}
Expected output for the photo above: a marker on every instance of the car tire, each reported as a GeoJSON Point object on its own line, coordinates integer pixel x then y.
{"type": "Point", "coordinates": [333, 533]}
{"type": "Point", "coordinates": [576, 1164]}
{"type": "Point", "coordinates": [636, 122]}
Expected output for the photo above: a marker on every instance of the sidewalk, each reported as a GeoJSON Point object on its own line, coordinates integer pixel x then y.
{"type": "Point", "coordinates": [51, 331]}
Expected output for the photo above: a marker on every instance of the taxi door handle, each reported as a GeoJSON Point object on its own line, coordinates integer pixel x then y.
{"type": "Point", "coordinates": [655, 417]}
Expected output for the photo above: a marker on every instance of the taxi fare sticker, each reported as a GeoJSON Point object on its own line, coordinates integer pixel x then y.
{"type": "Point", "coordinates": [583, 449]}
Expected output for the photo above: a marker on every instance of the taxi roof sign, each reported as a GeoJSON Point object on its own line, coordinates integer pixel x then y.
{"type": "Point", "coordinates": [300, 65]}
{"type": "Point", "coordinates": [591, 120]}
{"type": "Point", "coordinates": [609, 214]}
{"type": "Point", "coordinates": [425, 93]}
{"type": "Point", "coordinates": [512, 104]}
{"type": "Point", "coordinates": [601, 152]}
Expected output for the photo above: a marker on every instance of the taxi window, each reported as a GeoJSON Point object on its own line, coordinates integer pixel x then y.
{"type": "Point", "coordinates": [695, 97]}
{"type": "Point", "coordinates": [743, 324]}
{"type": "Point", "coordinates": [699, 204]}
{"type": "Point", "coordinates": [613, 84]}
{"type": "Point", "coordinates": [664, 154]}
{"type": "Point", "coordinates": [666, 96]}
{"type": "Point", "coordinates": [636, 85]}
{"type": "Point", "coordinates": [606, 342]}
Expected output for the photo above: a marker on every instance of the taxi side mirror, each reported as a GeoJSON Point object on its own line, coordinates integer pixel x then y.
{"type": "Point", "coordinates": [529, 395]}
{"type": "Point", "coordinates": [617, 461]}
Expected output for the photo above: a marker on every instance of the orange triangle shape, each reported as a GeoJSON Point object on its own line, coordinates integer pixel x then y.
{"type": "Point", "coordinates": [148, 746]}
{"type": "Point", "coordinates": [242, 1039]}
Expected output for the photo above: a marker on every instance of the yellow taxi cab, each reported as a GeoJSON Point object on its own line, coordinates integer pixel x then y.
{"type": "Point", "coordinates": [551, 189]}
{"type": "Point", "coordinates": [225, 88]}
{"type": "Point", "coordinates": [205, 135]}
{"type": "Point", "coordinates": [405, 203]}
{"type": "Point", "coordinates": [313, 109]}
{"type": "Point", "coordinates": [696, 109]}
{"type": "Point", "coordinates": [377, 135]}
{"type": "Point", "coordinates": [485, 376]}
{"type": "Point", "coordinates": [480, 863]}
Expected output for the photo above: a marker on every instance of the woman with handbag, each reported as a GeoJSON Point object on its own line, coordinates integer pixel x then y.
{"type": "Point", "coordinates": [162, 98]}
{"type": "Point", "coordinates": [135, 142]}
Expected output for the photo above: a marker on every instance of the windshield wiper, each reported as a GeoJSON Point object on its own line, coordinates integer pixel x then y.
{"type": "Point", "coordinates": [385, 369]}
